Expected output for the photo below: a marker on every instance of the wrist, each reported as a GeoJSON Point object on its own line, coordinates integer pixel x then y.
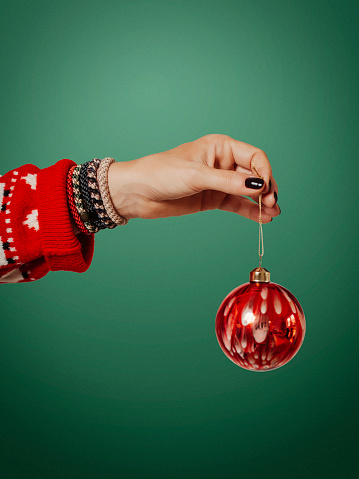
{"type": "Point", "coordinates": [122, 188]}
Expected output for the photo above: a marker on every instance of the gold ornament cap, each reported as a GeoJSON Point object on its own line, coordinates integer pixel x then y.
{"type": "Point", "coordinates": [259, 275]}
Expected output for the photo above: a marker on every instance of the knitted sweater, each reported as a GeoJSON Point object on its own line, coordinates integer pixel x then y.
{"type": "Point", "coordinates": [36, 234]}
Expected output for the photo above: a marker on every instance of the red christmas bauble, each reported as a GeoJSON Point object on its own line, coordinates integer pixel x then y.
{"type": "Point", "coordinates": [260, 325]}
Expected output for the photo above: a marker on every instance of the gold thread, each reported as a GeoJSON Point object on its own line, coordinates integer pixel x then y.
{"type": "Point", "coordinates": [260, 220]}
{"type": "Point", "coordinates": [254, 168]}
{"type": "Point", "coordinates": [260, 231]}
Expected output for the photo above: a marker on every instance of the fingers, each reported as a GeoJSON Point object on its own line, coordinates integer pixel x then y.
{"type": "Point", "coordinates": [270, 198]}
{"type": "Point", "coordinates": [248, 209]}
{"type": "Point", "coordinates": [252, 157]}
{"type": "Point", "coordinates": [227, 181]}
{"type": "Point", "coordinates": [227, 152]}
{"type": "Point", "coordinates": [193, 204]}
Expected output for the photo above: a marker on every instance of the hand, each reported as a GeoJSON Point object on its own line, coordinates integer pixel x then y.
{"type": "Point", "coordinates": [205, 174]}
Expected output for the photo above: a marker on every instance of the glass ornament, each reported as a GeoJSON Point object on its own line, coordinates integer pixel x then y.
{"type": "Point", "coordinates": [260, 325]}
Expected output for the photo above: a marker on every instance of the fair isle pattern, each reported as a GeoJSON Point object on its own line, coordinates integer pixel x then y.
{"type": "Point", "coordinates": [7, 242]}
{"type": "Point", "coordinates": [3, 260]}
{"type": "Point", "coordinates": [13, 269]}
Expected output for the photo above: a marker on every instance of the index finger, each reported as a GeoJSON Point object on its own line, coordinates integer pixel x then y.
{"type": "Point", "coordinates": [247, 156]}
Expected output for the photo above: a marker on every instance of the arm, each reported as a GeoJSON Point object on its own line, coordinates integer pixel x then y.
{"type": "Point", "coordinates": [36, 233]}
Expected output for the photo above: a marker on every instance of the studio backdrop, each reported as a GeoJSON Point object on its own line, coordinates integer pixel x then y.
{"type": "Point", "coordinates": [117, 372]}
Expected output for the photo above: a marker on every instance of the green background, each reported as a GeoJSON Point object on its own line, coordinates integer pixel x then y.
{"type": "Point", "coordinates": [117, 372]}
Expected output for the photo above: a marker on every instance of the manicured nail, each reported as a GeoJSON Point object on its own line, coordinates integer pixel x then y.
{"type": "Point", "coordinates": [254, 183]}
{"type": "Point", "coordinates": [275, 196]}
{"type": "Point", "coordinates": [270, 185]}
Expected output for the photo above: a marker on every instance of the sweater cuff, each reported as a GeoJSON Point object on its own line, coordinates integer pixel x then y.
{"type": "Point", "coordinates": [63, 250]}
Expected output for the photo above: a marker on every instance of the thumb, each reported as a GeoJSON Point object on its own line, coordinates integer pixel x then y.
{"type": "Point", "coordinates": [229, 181]}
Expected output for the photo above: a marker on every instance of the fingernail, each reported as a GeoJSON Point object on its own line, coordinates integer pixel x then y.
{"type": "Point", "coordinates": [275, 196]}
{"type": "Point", "coordinates": [254, 183]}
{"type": "Point", "coordinates": [270, 185]}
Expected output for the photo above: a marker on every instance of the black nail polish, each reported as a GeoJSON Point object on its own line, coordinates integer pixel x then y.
{"type": "Point", "coordinates": [275, 196]}
{"type": "Point", "coordinates": [254, 183]}
{"type": "Point", "coordinates": [270, 185]}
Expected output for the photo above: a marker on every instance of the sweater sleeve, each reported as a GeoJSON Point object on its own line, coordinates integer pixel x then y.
{"type": "Point", "coordinates": [36, 234]}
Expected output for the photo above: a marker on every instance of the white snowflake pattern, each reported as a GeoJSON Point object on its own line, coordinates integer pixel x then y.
{"type": "Point", "coordinates": [32, 220]}
{"type": "Point", "coordinates": [2, 189]}
{"type": "Point", "coordinates": [30, 180]}
{"type": "Point", "coordinates": [3, 260]}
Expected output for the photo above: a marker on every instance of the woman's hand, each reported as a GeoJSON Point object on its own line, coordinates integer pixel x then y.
{"type": "Point", "coordinates": [205, 174]}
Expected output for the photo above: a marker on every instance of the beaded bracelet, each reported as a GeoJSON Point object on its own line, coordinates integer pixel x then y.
{"type": "Point", "coordinates": [86, 195]}
{"type": "Point", "coordinates": [89, 198]}
{"type": "Point", "coordinates": [103, 221]}
{"type": "Point", "coordinates": [70, 198]}
{"type": "Point", "coordinates": [102, 179]}
{"type": "Point", "coordinates": [77, 193]}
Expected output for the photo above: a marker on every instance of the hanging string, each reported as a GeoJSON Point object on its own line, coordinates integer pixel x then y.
{"type": "Point", "coordinates": [260, 245]}
{"type": "Point", "coordinates": [260, 232]}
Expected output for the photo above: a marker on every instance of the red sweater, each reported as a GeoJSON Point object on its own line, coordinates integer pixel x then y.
{"type": "Point", "coordinates": [36, 234]}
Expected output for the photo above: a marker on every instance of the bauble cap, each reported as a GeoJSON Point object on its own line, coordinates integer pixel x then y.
{"type": "Point", "coordinates": [259, 275]}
